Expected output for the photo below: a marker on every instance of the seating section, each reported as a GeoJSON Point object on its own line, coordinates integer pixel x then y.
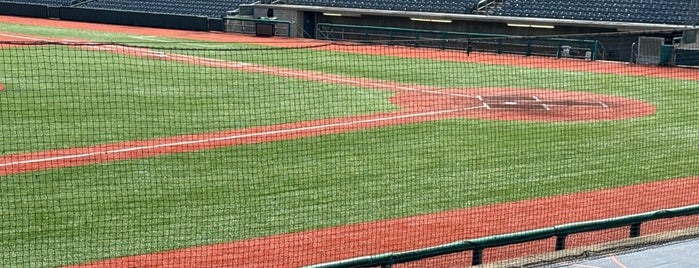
{"type": "Point", "coordinates": [43, 2]}
{"type": "Point", "coordinates": [643, 11]}
{"type": "Point", "coordinates": [441, 6]}
{"type": "Point", "coordinates": [207, 8]}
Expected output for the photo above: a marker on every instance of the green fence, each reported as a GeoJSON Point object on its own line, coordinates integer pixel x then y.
{"type": "Point", "coordinates": [561, 232]}
{"type": "Point", "coordinates": [496, 43]}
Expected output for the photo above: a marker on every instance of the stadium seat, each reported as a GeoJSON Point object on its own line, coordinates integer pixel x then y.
{"type": "Point", "coordinates": [647, 11]}
{"type": "Point", "coordinates": [189, 7]}
{"type": "Point", "coordinates": [43, 2]}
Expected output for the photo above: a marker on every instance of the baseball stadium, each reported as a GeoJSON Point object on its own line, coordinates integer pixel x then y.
{"type": "Point", "coordinates": [340, 133]}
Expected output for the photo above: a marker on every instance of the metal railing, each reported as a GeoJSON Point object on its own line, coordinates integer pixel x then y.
{"type": "Point", "coordinates": [495, 43]}
{"type": "Point", "coordinates": [561, 232]}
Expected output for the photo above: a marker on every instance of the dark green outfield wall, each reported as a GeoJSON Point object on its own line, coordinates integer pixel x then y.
{"type": "Point", "coordinates": [146, 19]}
{"type": "Point", "coordinates": [158, 20]}
{"type": "Point", "coordinates": [24, 10]}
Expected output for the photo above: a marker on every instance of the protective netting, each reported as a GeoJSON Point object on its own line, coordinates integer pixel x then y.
{"type": "Point", "coordinates": [214, 154]}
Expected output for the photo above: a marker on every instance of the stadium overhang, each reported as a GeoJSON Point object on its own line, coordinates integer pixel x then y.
{"type": "Point", "coordinates": [439, 17]}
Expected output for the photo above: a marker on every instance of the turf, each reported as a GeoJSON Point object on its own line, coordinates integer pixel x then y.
{"type": "Point", "coordinates": [99, 211]}
{"type": "Point", "coordinates": [83, 97]}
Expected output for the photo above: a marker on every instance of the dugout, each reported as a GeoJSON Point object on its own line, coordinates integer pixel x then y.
{"type": "Point", "coordinates": [445, 21]}
{"type": "Point", "coordinates": [616, 37]}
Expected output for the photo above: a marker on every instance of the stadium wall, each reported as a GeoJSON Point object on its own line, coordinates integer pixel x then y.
{"type": "Point", "coordinates": [24, 10]}
{"type": "Point", "coordinates": [146, 19]}
{"type": "Point", "coordinates": [687, 57]}
{"type": "Point", "coordinates": [159, 20]}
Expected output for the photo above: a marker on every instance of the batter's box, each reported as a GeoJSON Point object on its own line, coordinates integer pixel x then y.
{"type": "Point", "coordinates": [509, 98]}
{"type": "Point", "coordinates": [526, 106]}
{"type": "Point", "coordinates": [577, 103]}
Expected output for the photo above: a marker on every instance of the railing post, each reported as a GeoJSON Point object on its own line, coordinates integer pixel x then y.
{"type": "Point", "coordinates": [444, 40]}
{"type": "Point", "coordinates": [477, 258]}
{"type": "Point", "coordinates": [558, 50]}
{"type": "Point", "coordinates": [635, 230]}
{"type": "Point", "coordinates": [417, 39]}
{"type": "Point", "coordinates": [561, 242]}
{"type": "Point", "coordinates": [594, 50]}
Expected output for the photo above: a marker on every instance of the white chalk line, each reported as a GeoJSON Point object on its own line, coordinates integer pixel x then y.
{"type": "Point", "coordinates": [23, 37]}
{"type": "Point", "coordinates": [161, 40]}
{"type": "Point", "coordinates": [307, 75]}
{"type": "Point", "coordinates": [247, 66]}
{"type": "Point", "coordinates": [243, 66]}
{"type": "Point", "coordinates": [235, 137]}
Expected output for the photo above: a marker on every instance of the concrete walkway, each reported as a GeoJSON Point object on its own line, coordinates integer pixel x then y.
{"type": "Point", "coordinates": [682, 254]}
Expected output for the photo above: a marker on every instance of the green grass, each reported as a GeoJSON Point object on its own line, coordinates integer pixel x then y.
{"type": "Point", "coordinates": [78, 214]}
{"type": "Point", "coordinates": [61, 33]}
{"type": "Point", "coordinates": [86, 97]}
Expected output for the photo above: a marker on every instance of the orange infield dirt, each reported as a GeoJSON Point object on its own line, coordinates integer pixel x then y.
{"type": "Point", "coordinates": [420, 104]}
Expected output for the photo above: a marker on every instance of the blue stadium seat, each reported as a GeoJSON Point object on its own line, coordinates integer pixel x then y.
{"type": "Point", "coordinates": [647, 11]}
{"type": "Point", "coordinates": [43, 2]}
{"type": "Point", "coordinates": [215, 8]}
{"type": "Point", "coordinates": [441, 6]}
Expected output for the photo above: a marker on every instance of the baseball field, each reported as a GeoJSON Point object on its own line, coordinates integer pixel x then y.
{"type": "Point", "coordinates": [128, 146]}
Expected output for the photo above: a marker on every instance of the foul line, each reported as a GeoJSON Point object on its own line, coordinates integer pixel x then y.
{"type": "Point", "coordinates": [150, 53]}
{"type": "Point", "coordinates": [234, 137]}
{"type": "Point", "coordinates": [247, 67]}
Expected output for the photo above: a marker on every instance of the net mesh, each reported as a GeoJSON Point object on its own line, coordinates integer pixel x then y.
{"type": "Point", "coordinates": [216, 154]}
